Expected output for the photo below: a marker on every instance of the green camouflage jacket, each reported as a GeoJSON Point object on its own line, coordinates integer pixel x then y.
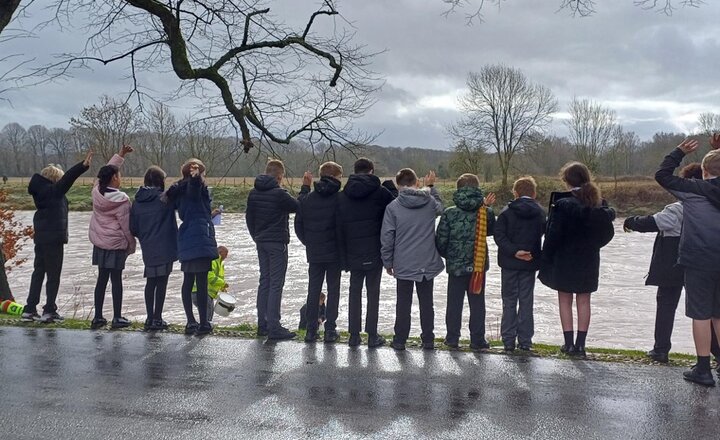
{"type": "Point", "coordinates": [455, 238]}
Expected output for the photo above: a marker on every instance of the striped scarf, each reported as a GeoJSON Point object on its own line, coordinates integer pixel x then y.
{"type": "Point", "coordinates": [480, 252]}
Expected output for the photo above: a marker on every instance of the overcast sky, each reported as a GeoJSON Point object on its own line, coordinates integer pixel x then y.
{"type": "Point", "coordinates": [657, 72]}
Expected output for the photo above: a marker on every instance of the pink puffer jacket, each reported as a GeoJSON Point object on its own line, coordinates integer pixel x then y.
{"type": "Point", "coordinates": [110, 220]}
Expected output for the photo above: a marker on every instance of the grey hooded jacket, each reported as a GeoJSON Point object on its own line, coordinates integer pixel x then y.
{"type": "Point", "coordinates": [408, 235]}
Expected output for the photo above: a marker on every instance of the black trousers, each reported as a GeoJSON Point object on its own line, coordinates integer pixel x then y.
{"type": "Point", "coordinates": [331, 273]}
{"type": "Point", "coordinates": [457, 289]}
{"type": "Point", "coordinates": [667, 299]}
{"type": "Point", "coordinates": [518, 288]}
{"type": "Point", "coordinates": [371, 278]}
{"type": "Point", "coordinates": [403, 307]}
{"type": "Point", "coordinates": [273, 259]}
{"type": "Point", "coordinates": [48, 261]}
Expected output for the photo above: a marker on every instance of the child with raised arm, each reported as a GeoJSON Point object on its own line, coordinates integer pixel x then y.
{"type": "Point", "coordinates": [408, 252]}
{"type": "Point", "coordinates": [267, 216]}
{"type": "Point", "coordinates": [50, 223]}
{"type": "Point", "coordinates": [462, 240]}
{"type": "Point", "coordinates": [518, 234]}
{"type": "Point", "coordinates": [699, 249]}
{"type": "Point", "coordinates": [111, 238]}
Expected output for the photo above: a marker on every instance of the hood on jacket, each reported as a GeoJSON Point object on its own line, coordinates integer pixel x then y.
{"type": "Point", "coordinates": [147, 194]}
{"type": "Point", "coordinates": [468, 198]}
{"type": "Point", "coordinates": [37, 184]}
{"type": "Point", "coordinates": [265, 182]}
{"type": "Point", "coordinates": [526, 208]}
{"type": "Point", "coordinates": [413, 198]}
{"type": "Point", "coordinates": [360, 186]}
{"type": "Point", "coordinates": [575, 209]}
{"type": "Point", "coordinates": [109, 201]}
{"type": "Point", "coordinates": [327, 186]}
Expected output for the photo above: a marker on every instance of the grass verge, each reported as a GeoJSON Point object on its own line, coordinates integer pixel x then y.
{"type": "Point", "coordinates": [248, 331]}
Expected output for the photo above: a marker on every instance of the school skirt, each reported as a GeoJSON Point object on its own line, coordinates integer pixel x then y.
{"type": "Point", "coordinates": [161, 270]}
{"type": "Point", "coordinates": [196, 265]}
{"type": "Point", "coordinates": [109, 259]}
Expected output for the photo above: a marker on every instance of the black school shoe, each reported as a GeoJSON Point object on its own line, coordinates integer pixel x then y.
{"type": "Point", "coordinates": [699, 377]}
{"type": "Point", "coordinates": [354, 340]}
{"type": "Point", "coordinates": [331, 336]}
{"type": "Point", "coordinates": [204, 329]}
{"type": "Point", "coordinates": [311, 336]}
{"type": "Point", "coordinates": [429, 345]}
{"type": "Point", "coordinates": [451, 343]}
{"type": "Point", "coordinates": [568, 350]}
{"type": "Point", "coordinates": [479, 346]}
{"type": "Point", "coordinates": [120, 322]}
{"type": "Point", "coordinates": [397, 346]}
{"type": "Point", "coordinates": [98, 323]}
{"type": "Point", "coordinates": [509, 348]}
{"type": "Point", "coordinates": [159, 324]}
{"type": "Point", "coordinates": [658, 357]}
{"type": "Point", "coordinates": [191, 328]}
{"type": "Point", "coordinates": [148, 325]}
{"type": "Point", "coordinates": [281, 335]}
{"type": "Point", "coordinates": [523, 347]}
{"type": "Point", "coordinates": [261, 332]}
{"type": "Point", "coordinates": [375, 341]}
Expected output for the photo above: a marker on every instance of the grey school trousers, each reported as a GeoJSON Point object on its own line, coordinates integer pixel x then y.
{"type": "Point", "coordinates": [518, 288]}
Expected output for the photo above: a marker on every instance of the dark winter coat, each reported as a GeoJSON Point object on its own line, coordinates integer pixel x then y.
{"type": "Point", "coordinates": [700, 239]}
{"type": "Point", "coordinates": [268, 209]}
{"type": "Point", "coordinates": [664, 270]}
{"type": "Point", "coordinates": [152, 221]}
{"type": "Point", "coordinates": [196, 235]}
{"type": "Point", "coordinates": [361, 206]}
{"type": "Point", "coordinates": [315, 223]}
{"type": "Point", "coordinates": [455, 237]}
{"type": "Point", "coordinates": [520, 226]}
{"type": "Point", "coordinates": [573, 239]}
{"type": "Point", "coordinates": [51, 218]}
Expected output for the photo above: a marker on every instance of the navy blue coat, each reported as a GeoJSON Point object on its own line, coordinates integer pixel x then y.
{"type": "Point", "coordinates": [520, 226]}
{"type": "Point", "coordinates": [196, 236]}
{"type": "Point", "coordinates": [361, 208]}
{"type": "Point", "coordinates": [315, 222]}
{"type": "Point", "coordinates": [152, 221]}
{"type": "Point", "coordinates": [51, 218]}
{"type": "Point", "coordinates": [268, 209]}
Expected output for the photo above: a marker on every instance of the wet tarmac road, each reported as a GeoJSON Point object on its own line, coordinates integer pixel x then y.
{"type": "Point", "coordinates": [131, 385]}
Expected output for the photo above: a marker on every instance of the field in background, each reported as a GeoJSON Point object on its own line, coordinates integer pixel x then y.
{"type": "Point", "coordinates": [629, 196]}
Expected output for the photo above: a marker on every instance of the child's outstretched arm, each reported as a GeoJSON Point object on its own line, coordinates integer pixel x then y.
{"type": "Point", "coordinates": [675, 184]}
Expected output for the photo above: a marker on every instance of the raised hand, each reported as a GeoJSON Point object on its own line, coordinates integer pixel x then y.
{"type": "Point", "coordinates": [125, 150]}
{"type": "Point", "coordinates": [490, 199]}
{"type": "Point", "coordinates": [307, 178]}
{"type": "Point", "coordinates": [194, 169]}
{"type": "Point", "coordinates": [429, 179]}
{"type": "Point", "coordinates": [688, 145]}
{"type": "Point", "coordinates": [88, 158]}
{"type": "Point", "coordinates": [715, 141]}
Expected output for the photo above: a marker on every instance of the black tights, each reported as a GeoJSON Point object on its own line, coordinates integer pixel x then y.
{"type": "Point", "coordinates": [190, 279]}
{"type": "Point", "coordinates": [155, 289]}
{"type": "Point", "coordinates": [114, 275]}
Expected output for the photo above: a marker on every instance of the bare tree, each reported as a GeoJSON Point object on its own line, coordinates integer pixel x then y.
{"type": "Point", "coordinates": [106, 126]}
{"type": "Point", "coordinates": [591, 128]}
{"type": "Point", "coordinates": [620, 153]}
{"type": "Point", "coordinates": [708, 123]}
{"type": "Point", "coordinates": [502, 109]}
{"type": "Point", "coordinates": [277, 82]}
{"type": "Point", "coordinates": [467, 158]}
{"type": "Point", "coordinates": [37, 137]}
{"type": "Point", "coordinates": [14, 136]}
{"type": "Point", "coordinates": [60, 143]}
{"type": "Point", "coordinates": [203, 140]}
{"type": "Point", "coordinates": [162, 134]}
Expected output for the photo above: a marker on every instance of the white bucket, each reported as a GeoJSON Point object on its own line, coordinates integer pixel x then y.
{"type": "Point", "coordinates": [225, 304]}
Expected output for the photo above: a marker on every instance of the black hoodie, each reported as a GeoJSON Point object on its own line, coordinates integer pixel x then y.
{"type": "Point", "coordinates": [268, 209]}
{"type": "Point", "coordinates": [315, 222]}
{"type": "Point", "coordinates": [51, 218]}
{"type": "Point", "coordinates": [520, 226]}
{"type": "Point", "coordinates": [153, 222]}
{"type": "Point", "coordinates": [361, 206]}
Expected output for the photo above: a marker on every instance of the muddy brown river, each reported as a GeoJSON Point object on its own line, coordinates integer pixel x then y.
{"type": "Point", "coordinates": [623, 309]}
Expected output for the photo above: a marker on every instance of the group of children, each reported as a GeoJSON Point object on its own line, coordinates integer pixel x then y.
{"type": "Point", "coordinates": [114, 224]}
{"type": "Point", "coordinates": [369, 226]}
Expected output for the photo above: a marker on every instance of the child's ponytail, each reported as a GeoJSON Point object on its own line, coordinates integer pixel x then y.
{"type": "Point", "coordinates": [578, 176]}
{"type": "Point", "coordinates": [104, 176]}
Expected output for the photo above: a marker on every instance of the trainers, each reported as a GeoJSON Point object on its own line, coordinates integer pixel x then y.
{"type": "Point", "coordinates": [56, 317]}
{"type": "Point", "coordinates": [658, 357]}
{"type": "Point", "coordinates": [524, 347]}
{"type": "Point", "coordinates": [29, 317]}
{"type": "Point", "coordinates": [509, 348]}
{"type": "Point", "coordinates": [451, 343]}
{"type": "Point", "coordinates": [204, 329]}
{"type": "Point", "coordinates": [479, 346]}
{"type": "Point", "coordinates": [120, 322]}
{"type": "Point", "coordinates": [397, 346]}
{"type": "Point", "coordinates": [46, 318]}
{"type": "Point", "coordinates": [331, 336]}
{"type": "Point", "coordinates": [375, 341]}
{"type": "Point", "coordinates": [699, 377]}
{"type": "Point", "coordinates": [354, 340]}
{"type": "Point", "coordinates": [311, 336]}
{"type": "Point", "coordinates": [98, 323]}
{"type": "Point", "coordinates": [281, 335]}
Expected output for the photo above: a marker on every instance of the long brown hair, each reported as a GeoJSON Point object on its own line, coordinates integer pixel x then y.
{"type": "Point", "coordinates": [578, 176]}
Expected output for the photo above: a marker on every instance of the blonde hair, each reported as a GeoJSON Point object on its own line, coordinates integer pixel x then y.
{"type": "Point", "coordinates": [525, 186]}
{"type": "Point", "coordinates": [275, 168]}
{"type": "Point", "coordinates": [711, 163]}
{"type": "Point", "coordinates": [52, 173]}
{"type": "Point", "coordinates": [331, 169]}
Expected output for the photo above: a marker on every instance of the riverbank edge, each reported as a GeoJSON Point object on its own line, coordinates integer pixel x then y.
{"type": "Point", "coordinates": [249, 331]}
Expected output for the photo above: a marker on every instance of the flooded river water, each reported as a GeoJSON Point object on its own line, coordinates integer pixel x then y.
{"type": "Point", "coordinates": [623, 309]}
